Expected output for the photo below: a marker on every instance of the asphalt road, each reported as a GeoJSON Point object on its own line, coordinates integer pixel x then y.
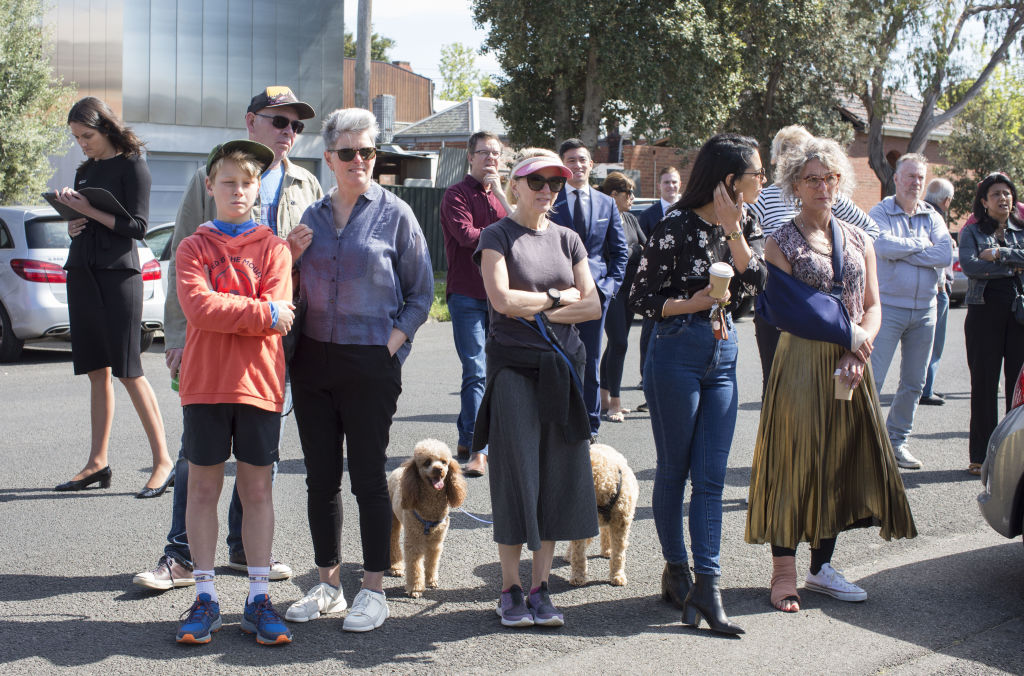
{"type": "Point", "coordinates": [949, 601]}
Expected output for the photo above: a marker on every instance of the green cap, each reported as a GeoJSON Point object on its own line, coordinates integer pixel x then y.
{"type": "Point", "coordinates": [258, 151]}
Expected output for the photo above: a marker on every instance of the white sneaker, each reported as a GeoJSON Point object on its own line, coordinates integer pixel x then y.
{"type": "Point", "coordinates": [830, 581]}
{"type": "Point", "coordinates": [321, 599]}
{"type": "Point", "coordinates": [904, 459]}
{"type": "Point", "coordinates": [369, 610]}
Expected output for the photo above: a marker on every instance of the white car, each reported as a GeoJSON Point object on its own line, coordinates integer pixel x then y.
{"type": "Point", "coordinates": [34, 245]}
{"type": "Point", "coordinates": [159, 237]}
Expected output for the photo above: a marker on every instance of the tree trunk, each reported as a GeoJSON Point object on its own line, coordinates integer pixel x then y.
{"type": "Point", "coordinates": [365, 29]}
{"type": "Point", "coordinates": [593, 99]}
{"type": "Point", "coordinates": [563, 120]}
{"type": "Point", "coordinates": [876, 156]}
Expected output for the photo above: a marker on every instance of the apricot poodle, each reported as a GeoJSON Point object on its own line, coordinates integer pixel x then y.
{"type": "Point", "coordinates": [422, 490]}
{"type": "Point", "coordinates": [617, 490]}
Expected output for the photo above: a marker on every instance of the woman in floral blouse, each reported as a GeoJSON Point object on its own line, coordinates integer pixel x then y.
{"type": "Point", "coordinates": [690, 374]}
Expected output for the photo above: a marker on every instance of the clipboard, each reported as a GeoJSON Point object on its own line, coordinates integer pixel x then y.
{"type": "Point", "coordinates": [100, 198]}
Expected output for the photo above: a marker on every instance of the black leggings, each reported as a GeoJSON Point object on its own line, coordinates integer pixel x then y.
{"type": "Point", "coordinates": [346, 393]}
{"type": "Point", "coordinates": [616, 327]}
{"type": "Point", "coordinates": [819, 556]}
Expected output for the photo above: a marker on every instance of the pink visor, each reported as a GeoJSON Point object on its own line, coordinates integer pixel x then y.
{"type": "Point", "coordinates": [534, 164]}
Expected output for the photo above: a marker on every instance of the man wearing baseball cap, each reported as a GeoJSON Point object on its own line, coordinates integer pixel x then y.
{"type": "Point", "coordinates": [273, 118]}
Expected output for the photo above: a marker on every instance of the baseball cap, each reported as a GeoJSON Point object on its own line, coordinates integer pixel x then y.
{"type": "Point", "coordinates": [277, 96]}
{"type": "Point", "coordinates": [258, 151]}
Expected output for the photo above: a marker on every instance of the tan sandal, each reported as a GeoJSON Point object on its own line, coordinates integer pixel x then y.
{"type": "Point", "coordinates": [974, 468]}
{"type": "Point", "coordinates": [784, 583]}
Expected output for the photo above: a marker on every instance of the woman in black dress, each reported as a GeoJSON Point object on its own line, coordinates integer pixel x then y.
{"type": "Point", "coordinates": [105, 288]}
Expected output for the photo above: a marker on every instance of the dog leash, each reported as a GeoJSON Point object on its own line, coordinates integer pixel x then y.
{"type": "Point", "coordinates": [473, 516]}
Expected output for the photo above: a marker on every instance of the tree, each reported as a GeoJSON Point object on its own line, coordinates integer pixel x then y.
{"type": "Point", "coordinates": [987, 136]}
{"type": "Point", "coordinates": [461, 77]}
{"type": "Point", "coordinates": [670, 67]}
{"type": "Point", "coordinates": [380, 47]}
{"type": "Point", "coordinates": [795, 58]}
{"type": "Point", "coordinates": [33, 103]}
{"type": "Point", "coordinates": [940, 62]}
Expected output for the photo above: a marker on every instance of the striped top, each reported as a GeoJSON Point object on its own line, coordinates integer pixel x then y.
{"type": "Point", "coordinates": [773, 210]}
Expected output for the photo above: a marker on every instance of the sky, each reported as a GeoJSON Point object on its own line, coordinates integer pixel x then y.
{"type": "Point", "coordinates": [420, 28]}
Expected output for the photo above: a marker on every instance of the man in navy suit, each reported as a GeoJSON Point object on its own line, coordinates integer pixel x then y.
{"type": "Point", "coordinates": [594, 216]}
{"type": "Point", "coordinates": [669, 187]}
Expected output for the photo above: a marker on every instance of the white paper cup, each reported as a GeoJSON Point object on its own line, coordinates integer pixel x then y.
{"type": "Point", "coordinates": [843, 392]}
{"type": "Point", "coordinates": [720, 274]}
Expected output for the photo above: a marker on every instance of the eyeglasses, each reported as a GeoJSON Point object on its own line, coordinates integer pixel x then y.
{"type": "Point", "coordinates": [536, 182]}
{"type": "Point", "coordinates": [280, 122]}
{"type": "Point", "coordinates": [759, 173]}
{"type": "Point", "coordinates": [349, 154]}
{"type": "Point", "coordinates": [488, 153]}
{"type": "Point", "coordinates": [830, 181]}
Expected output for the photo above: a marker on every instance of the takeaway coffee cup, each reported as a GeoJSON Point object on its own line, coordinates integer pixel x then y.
{"type": "Point", "coordinates": [842, 390]}
{"type": "Point", "coordinates": [721, 274]}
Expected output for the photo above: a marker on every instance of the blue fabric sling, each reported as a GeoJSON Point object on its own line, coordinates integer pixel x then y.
{"type": "Point", "coordinates": [798, 308]}
{"type": "Point", "coordinates": [541, 327]}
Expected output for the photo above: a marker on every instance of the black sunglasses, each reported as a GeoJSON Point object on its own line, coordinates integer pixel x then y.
{"type": "Point", "coordinates": [280, 122]}
{"type": "Point", "coordinates": [349, 154]}
{"type": "Point", "coordinates": [536, 182]}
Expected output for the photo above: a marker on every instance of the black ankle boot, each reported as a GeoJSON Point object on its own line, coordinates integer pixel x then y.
{"type": "Point", "coordinates": [676, 583]}
{"type": "Point", "coordinates": [705, 600]}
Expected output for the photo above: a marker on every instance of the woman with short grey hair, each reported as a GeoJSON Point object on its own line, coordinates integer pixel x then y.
{"type": "Point", "coordinates": [367, 285]}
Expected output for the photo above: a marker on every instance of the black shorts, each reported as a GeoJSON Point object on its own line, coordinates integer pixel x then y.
{"type": "Point", "coordinates": [213, 431]}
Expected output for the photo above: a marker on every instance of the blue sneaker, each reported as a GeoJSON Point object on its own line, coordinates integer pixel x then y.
{"type": "Point", "coordinates": [261, 619]}
{"type": "Point", "coordinates": [544, 612]}
{"type": "Point", "coordinates": [199, 621]}
{"type": "Point", "coordinates": [512, 608]}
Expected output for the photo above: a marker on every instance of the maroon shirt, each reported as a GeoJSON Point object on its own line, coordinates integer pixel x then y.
{"type": "Point", "coordinates": [466, 209]}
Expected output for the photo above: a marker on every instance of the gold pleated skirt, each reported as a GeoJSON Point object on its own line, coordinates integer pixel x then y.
{"type": "Point", "coordinates": [821, 465]}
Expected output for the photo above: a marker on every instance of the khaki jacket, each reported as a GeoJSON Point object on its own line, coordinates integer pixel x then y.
{"type": "Point", "coordinates": [299, 189]}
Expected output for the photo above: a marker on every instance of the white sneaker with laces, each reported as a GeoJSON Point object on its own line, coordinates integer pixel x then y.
{"type": "Point", "coordinates": [369, 610]}
{"type": "Point", "coordinates": [830, 581]}
{"type": "Point", "coordinates": [320, 600]}
{"type": "Point", "coordinates": [904, 459]}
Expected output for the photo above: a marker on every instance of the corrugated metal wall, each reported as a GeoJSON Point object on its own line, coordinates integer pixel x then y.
{"type": "Point", "coordinates": [426, 204]}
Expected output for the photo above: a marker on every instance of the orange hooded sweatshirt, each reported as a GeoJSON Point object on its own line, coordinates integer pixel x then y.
{"type": "Point", "coordinates": [232, 355]}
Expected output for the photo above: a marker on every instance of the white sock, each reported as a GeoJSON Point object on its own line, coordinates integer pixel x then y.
{"type": "Point", "coordinates": [259, 581]}
{"type": "Point", "coordinates": [204, 583]}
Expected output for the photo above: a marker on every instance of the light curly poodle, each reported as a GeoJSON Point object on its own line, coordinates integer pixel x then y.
{"type": "Point", "coordinates": [422, 489]}
{"type": "Point", "coordinates": [617, 490]}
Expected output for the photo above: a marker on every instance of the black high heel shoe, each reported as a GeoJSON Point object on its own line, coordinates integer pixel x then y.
{"type": "Point", "coordinates": [705, 601]}
{"type": "Point", "coordinates": [101, 477]}
{"type": "Point", "coordinates": [676, 583]}
{"type": "Point", "coordinates": [159, 490]}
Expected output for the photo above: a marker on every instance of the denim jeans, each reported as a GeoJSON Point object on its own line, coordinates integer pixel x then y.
{"type": "Point", "coordinates": [591, 333]}
{"type": "Point", "coordinates": [690, 384]}
{"type": "Point", "coordinates": [177, 539]}
{"type": "Point", "coordinates": [913, 331]}
{"type": "Point", "coordinates": [470, 322]}
{"type": "Point", "coordinates": [941, 314]}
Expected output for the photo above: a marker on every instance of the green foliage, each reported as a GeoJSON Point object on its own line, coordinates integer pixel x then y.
{"type": "Point", "coordinates": [33, 103]}
{"type": "Point", "coordinates": [460, 74]}
{"type": "Point", "coordinates": [987, 136]}
{"type": "Point", "coordinates": [670, 67]}
{"type": "Point", "coordinates": [380, 47]}
{"type": "Point", "coordinates": [439, 308]}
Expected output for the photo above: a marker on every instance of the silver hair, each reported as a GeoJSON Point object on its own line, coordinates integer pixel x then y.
{"type": "Point", "coordinates": [348, 121]}
{"type": "Point", "coordinates": [939, 190]}
{"type": "Point", "coordinates": [825, 150]}
{"type": "Point", "coordinates": [788, 138]}
{"type": "Point", "coordinates": [916, 158]}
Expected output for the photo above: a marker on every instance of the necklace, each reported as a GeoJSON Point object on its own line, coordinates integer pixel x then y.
{"type": "Point", "coordinates": [816, 239]}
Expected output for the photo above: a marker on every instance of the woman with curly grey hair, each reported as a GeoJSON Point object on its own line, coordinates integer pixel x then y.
{"type": "Point", "coordinates": [822, 462]}
{"type": "Point", "coordinates": [367, 285]}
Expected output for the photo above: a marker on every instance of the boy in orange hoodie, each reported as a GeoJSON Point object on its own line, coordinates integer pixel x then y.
{"type": "Point", "coordinates": [234, 286]}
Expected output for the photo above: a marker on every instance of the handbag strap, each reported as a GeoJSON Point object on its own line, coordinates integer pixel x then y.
{"type": "Point", "coordinates": [541, 328]}
{"type": "Point", "coordinates": [837, 258]}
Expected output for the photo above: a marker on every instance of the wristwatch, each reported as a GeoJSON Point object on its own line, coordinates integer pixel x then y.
{"type": "Point", "coordinates": [734, 235]}
{"type": "Point", "coordinates": [556, 297]}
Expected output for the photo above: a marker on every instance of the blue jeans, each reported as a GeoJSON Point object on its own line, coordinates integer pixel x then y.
{"type": "Point", "coordinates": [690, 384]}
{"type": "Point", "coordinates": [177, 539]}
{"type": "Point", "coordinates": [913, 331]}
{"type": "Point", "coordinates": [941, 314]}
{"type": "Point", "coordinates": [470, 322]}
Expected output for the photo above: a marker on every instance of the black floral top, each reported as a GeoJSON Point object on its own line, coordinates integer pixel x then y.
{"type": "Point", "coordinates": [678, 255]}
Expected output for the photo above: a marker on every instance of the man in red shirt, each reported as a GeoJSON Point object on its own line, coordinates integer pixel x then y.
{"type": "Point", "coordinates": [467, 208]}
